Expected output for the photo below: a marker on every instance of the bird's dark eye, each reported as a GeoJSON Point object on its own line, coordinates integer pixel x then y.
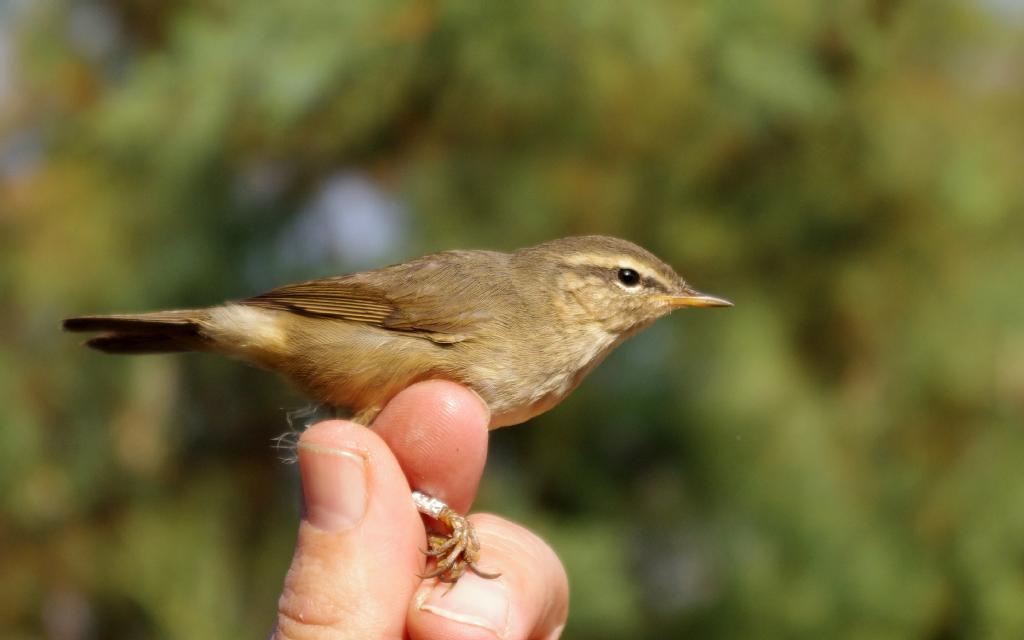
{"type": "Point", "coordinates": [629, 277]}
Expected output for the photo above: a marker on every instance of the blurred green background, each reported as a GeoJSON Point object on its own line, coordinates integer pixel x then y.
{"type": "Point", "coordinates": [839, 456]}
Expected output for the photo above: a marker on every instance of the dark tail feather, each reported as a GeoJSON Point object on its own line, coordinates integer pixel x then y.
{"type": "Point", "coordinates": [135, 343]}
{"type": "Point", "coordinates": [160, 332]}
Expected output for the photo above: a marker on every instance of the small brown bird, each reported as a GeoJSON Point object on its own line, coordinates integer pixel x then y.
{"type": "Point", "coordinates": [522, 329]}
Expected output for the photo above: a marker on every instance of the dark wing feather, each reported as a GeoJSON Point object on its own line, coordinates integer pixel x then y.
{"type": "Point", "coordinates": [442, 297]}
{"type": "Point", "coordinates": [342, 297]}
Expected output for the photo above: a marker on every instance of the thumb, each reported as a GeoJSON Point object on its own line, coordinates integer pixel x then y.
{"type": "Point", "coordinates": [357, 555]}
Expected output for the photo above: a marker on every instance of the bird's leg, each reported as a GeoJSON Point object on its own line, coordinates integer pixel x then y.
{"type": "Point", "coordinates": [455, 552]}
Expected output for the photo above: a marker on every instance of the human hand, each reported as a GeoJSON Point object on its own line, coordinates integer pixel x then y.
{"type": "Point", "coordinates": [360, 542]}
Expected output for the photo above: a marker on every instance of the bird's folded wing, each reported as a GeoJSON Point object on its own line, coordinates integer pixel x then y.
{"type": "Point", "coordinates": [426, 297]}
{"type": "Point", "coordinates": [330, 297]}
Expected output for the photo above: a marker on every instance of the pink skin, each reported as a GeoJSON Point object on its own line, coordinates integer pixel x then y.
{"type": "Point", "coordinates": [359, 550]}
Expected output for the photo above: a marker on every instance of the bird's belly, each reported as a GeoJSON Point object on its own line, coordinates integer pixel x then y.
{"type": "Point", "coordinates": [518, 414]}
{"type": "Point", "coordinates": [361, 368]}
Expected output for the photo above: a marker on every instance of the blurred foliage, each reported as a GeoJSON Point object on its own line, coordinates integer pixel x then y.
{"type": "Point", "coordinates": [837, 457]}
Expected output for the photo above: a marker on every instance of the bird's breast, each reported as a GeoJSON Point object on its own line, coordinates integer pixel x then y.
{"type": "Point", "coordinates": [555, 367]}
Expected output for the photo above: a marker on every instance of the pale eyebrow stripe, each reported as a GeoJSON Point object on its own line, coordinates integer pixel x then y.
{"type": "Point", "coordinates": [604, 261]}
{"type": "Point", "coordinates": [599, 264]}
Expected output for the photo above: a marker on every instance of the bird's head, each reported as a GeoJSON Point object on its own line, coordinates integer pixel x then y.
{"type": "Point", "coordinates": [611, 282]}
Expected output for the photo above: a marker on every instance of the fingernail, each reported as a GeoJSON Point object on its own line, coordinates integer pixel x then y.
{"type": "Point", "coordinates": [473, 600]}
{"type": "Point", "coordinates": [334, 486]}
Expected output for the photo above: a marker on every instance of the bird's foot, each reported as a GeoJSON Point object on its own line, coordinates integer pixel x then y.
{"type": "Point", "coordinates": [455, 552]}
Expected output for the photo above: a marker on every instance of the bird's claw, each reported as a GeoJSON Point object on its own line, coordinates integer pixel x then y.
{"type": "Point", "coordinates": [455, 552]}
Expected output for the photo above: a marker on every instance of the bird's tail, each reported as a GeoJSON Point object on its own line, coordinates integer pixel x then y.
{"type": "Point", "coordinates": [158, 332]}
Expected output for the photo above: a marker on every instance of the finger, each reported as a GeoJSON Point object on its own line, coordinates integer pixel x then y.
{"type": "Point", "coordinates": [438, 432]}
{"type": "Point", "coordinates": [529, 600]}
{"type": "Point", "coordinates": [357, 555]}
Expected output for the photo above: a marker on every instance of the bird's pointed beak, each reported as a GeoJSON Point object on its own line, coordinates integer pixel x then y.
{"type": "Point", "coordinates": [696, 299]}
